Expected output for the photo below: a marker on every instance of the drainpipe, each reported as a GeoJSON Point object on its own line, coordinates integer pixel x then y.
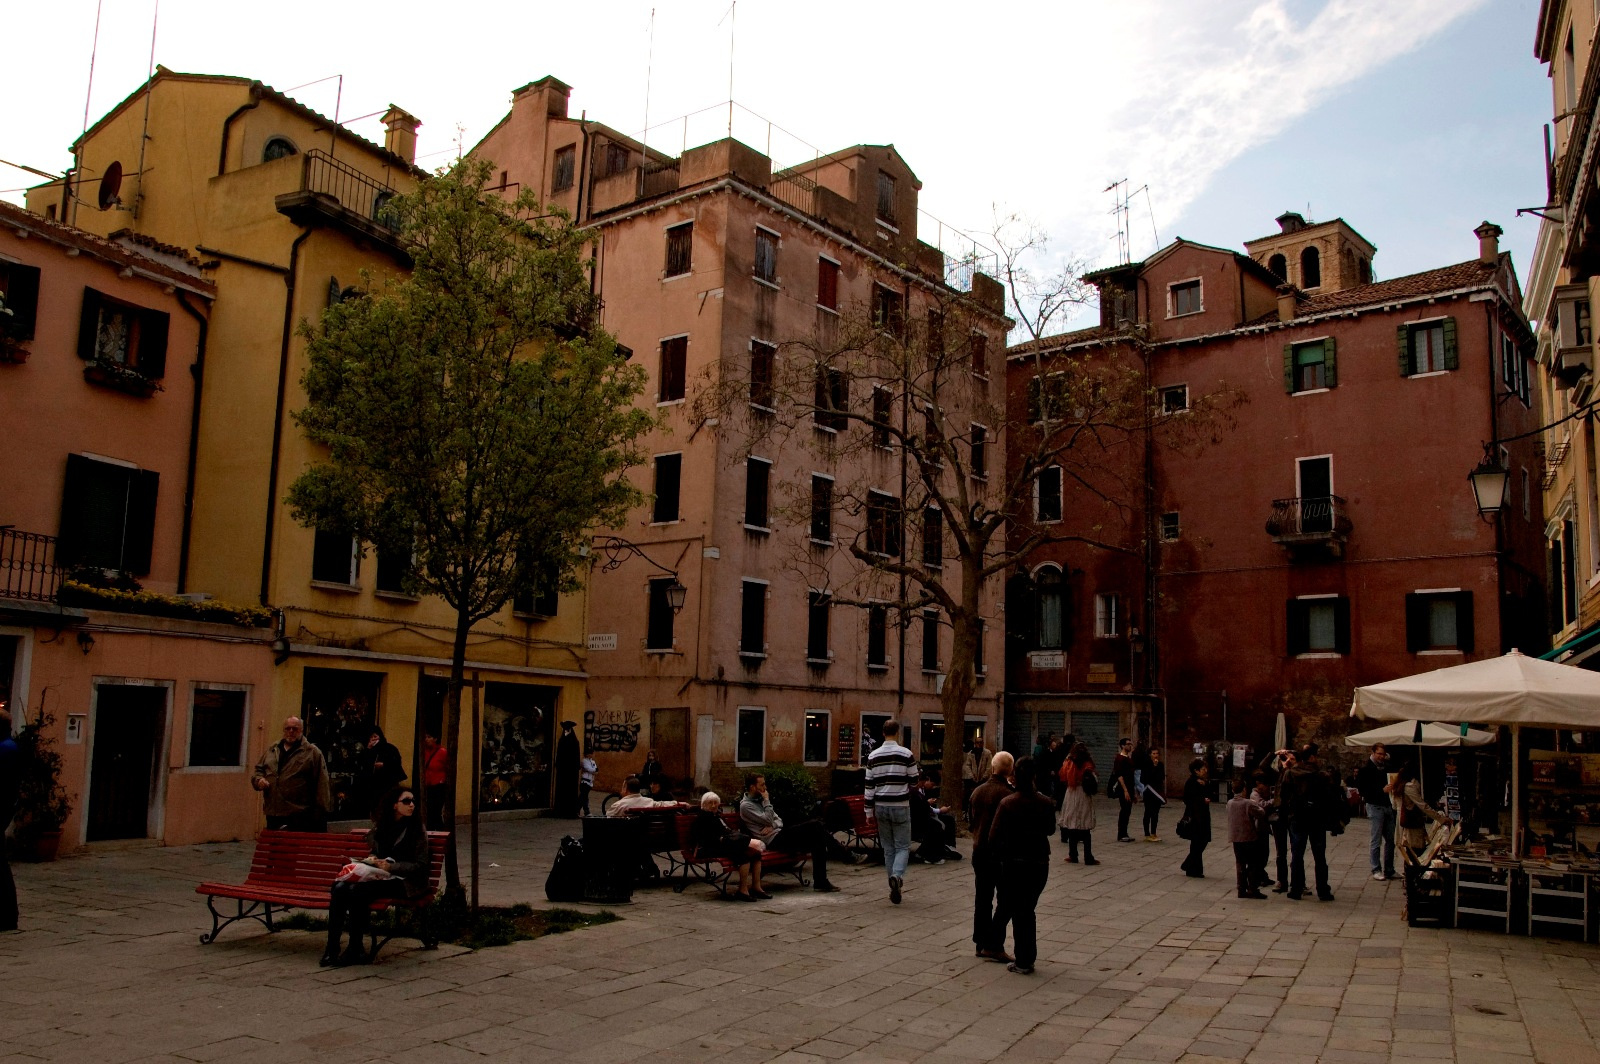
{"type": "Point", "coordinates": [277, 422]}
{"type": "Point", "coordinates": [227, 126]}
{"type": "Point", "coordinates": [905, 408]}
{"type": "Point", "coordinates": [583, 166]}
{"type": "Point", "coordinates": [198, 372]}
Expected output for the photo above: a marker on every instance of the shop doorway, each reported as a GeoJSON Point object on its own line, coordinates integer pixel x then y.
{"type": "Point", "coordinates": [129, 721]}
{"type": "Point", "coordinates": [1098, 731]}
{"type": "Point", "coordinates": [669, 736]}
{"type": "Point", "coordinates": [518, 744]}
{"type": "Point", "coordinates": [339, 707]}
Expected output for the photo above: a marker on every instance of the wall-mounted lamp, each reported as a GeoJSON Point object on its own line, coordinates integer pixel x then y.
{"type": "Point", "coordinates": [85, 641]}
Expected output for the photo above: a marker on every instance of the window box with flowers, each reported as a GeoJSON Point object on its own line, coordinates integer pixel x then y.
{"type": "Point", "coordinates": [124, 346]}
{"type": "Point", "coordinates": [15, 330]}
{"type": "Point", "coordinates": [121, 378]}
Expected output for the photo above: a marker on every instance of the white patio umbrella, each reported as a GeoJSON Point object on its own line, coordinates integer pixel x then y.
{"type": "Point", "coordinates": [1513, 690]}
{"type": "Point", "coordinates": [1433, 734]}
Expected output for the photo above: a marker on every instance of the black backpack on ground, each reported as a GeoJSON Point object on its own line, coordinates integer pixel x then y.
{"type": "Point", "coordinates": [566, 879]}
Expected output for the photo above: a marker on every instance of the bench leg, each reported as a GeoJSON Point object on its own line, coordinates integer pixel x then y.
{"type": "Point", "coordinates": [258, 911]}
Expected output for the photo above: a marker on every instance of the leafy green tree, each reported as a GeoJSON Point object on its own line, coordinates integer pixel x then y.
{"type": "Point", "coordinates": [472, 412]}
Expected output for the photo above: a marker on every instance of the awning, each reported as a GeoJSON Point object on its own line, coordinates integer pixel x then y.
{"type": "Point", "coordinates": [1574, 646]}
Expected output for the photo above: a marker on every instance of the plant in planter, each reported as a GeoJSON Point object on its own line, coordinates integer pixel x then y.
{"type": "Point", "coordinates": [42, 803]}
{"type": "Point", "coordinates": [120, 376]}
{"type": "Point", "coordinates": [11, 349]}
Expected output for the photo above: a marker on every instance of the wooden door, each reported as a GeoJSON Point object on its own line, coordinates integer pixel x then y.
{"type": "Point", "coordinates": [669, 737]}
{"type": "Point", "coordinates": [128, 725]}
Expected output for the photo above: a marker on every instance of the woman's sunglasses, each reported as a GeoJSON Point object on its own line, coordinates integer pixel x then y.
{"type": "Point", "coordinates": [408, 801]}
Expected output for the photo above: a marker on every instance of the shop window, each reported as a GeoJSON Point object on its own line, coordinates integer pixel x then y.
{"type": "Point", "coordinates": [518, 746]}
{"type": "Point", "coordinates": [680, 249]}
{"type": "Point", "coordinates": [669, 476]}
{"type": "Point", "coordinates": [108, 516]}
{"type": "Point", "coordinates": [1319, 625]}
{"type": "Point", "coordinates": [1439, 620]}
{"type": "Point", "coordinates": [217, 727]}
{"type": "Point", "coordinates": [674, 369]}
{"type": "Point", "coordinates": [339, 708]}
{"type": "Point", "coordinates": [818, 733]}
{"type": "Point", "coordinates": [335, 558]}
{"type": "Point", "coordinates": [752, 737]}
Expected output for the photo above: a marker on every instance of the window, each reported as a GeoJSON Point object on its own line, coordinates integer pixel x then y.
{"type": "Point", "coordinates": [1310, 268]}
{"type": "Point", "coordinates": [111, 331]}
{"type": "Point", "coordinates": [335, 558]}
{"type": "Point", "coordinates": [566, 168]}
{"type": "Point", "coordinates": [1183, 298]}
{"type": "Point", "coordinates": [980, 451]}
{"type": "Point", "coordinates": [1364, 270]}
{"type": "Point", "coordinates": [381, 212]}
{"type": "Point", "coordinates": [1107, 616]}
{"type": "Point", "coordinates": [827, 284]}
{"type": "Point", "coordinates": [930, 640]}
{"type": "Point", "coordinates": [978, 351]}
{"type": "Point", "coordinates": [669, 481]}
{"type": "Point", "coordinates": [1569, 73]}
{"type": "Point", "coordinates": [19, 292]}
{"type": "Point", "coordinates": [1279, 266]}
{"type": "Point", "coordinates": [882, 405]}
{"type": "Point", "coordinates": [817, 610]}
{"type": "Point", "coordinates": [978, 665]}
{"type": "Point", "coordinates": [932, 436]}
{"type": "Point", "coordinates": [886, 185]}
{"type": "Point", "coordinates": [819, 729]}
{"type": "Point", "coordinates": [216, 727]}
{"type": "Point", "coordinates": [108, 516]}
{"type": "Point", "coordinates": [674, 369]}
{"type": "Point", "coordinates": [877, 637]}
{"type": "Point", "coordinates": [752, 739]}
{"type": "Point", "coordinates": [766, 256]}
{"type": "Point", "coordinates": [1309, 366]}
{"type": "Point", "coordinates": [821, 508]}
{"type": "Point", "coordinates": [1051, 599]}
{"type": "Point", "coordinates": [680, 249]}
{"type": "Point", "coordinates": [1047, 494]}
{"type": "Point", "coordinates": [1169, 526]}
{"type": "Point", "coordinates": [753, 619]}
{"type": "Point", "coordinates": [763, 361]}
{"type": "Point", "coordinates": [394, 563]}
{"type": "Point", "coordinates": [832, 398]}
{"type": "Point", "coordinates": [542, 598]}
{"type": "Point", "coordinates": [757, 476]}
{"type": "Point", "coordinates": [1319, 625]}
{"type": "Point", "coordinates": [1439, 620]}
{"type": "Point", "coordinates": [659, 624]}
{"type": "Point", "coordinates": [1427, 346]}
{"type": "Point", "coordinates": [933, 538]}
{"type": "Point", "coordinates": [278, 148]}
{"type": "Point", "coordinates": [1527, 495]}
{"type": "Point", "coordinates": [888, 310]}
{"type": "Point", "coordinates": [1514, 368]}
{"type": "Point", "coordinates": [1175, 399]}
{"type": "Point", "coordinates": [1047, 397]}
{"type": "Point", "coordinates": [616, 159]}
{"type": "Point", "coordinates": [883, 524]}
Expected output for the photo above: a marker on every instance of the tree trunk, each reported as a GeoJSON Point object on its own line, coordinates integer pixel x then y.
{"type": "Point", "coordinates": [959, 684]}
{"type": "Point", "coordinates": [452, 742]}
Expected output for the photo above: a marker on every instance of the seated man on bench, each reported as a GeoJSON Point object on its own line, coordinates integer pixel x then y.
{"type": "Point", "coordinates": [632, 799]}
{"type": "Point", "coordinates": [932, 824]}
{"type": "Point", "coordinates": [764, 824]}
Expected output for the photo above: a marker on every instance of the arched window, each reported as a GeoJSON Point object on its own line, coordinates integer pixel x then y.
{"type": "Point", "coordinates": [1310, 268]}
{"type": "Point", "coordinates": [380, 214]}
{"type": "Point", "coordinates": [278, 148]}
{"type": "Point", "coordinates": [1364, 270]}
{"type": "Point", "coordinates": [1051, 599]}
{"type": "Point", "coordinates": [1280, 266]}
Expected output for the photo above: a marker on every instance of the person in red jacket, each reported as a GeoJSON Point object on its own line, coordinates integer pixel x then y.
{"type": "Point", "coordinates": [435, 778]}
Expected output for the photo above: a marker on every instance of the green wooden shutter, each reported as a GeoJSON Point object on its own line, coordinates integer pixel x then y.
{"type": "Point", "coordinates": [153, 344]}
{"type": "Point", "coordinates": [1417, 635]}
{"type": "Point", "coordinates": [1450, 358]}
{"type": "Point", "coordinates": [88, 324]}
{"type": "Point", "coordinates": [1341, 625]}
{"type": "Point", "coordinates": [1298, 624]}
{"type": "Point", "coordinates": [1288, 368]}
{"type": "Point", "coordinates": [139, 532]}
{"type": "Point", "coordinates": [1330, 368]}
{"type": "Point", "coordinates": [1403, 336]}
{"type": "Point", "coordinates": [22, 298]}
{"type": "Point", "coordinates": [1464, 630]}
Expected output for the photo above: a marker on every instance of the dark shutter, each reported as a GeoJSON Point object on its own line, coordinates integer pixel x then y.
{"type": "Point", "coordinates": [1330, 367]}
{"type": "Point", "coordinates": [94, 514]}
{"type": "Point", "coordinates": [930, 640]}
{"type": "Point", "coordinates": [1464, 630]}
{"type": "Point", "coordinates": [22, 298]}
{"type": "Point", "coordinates": [674, 359]}
{"type": "Point", "coordinates": [140, 531]}
{"type": "Point", "coordinates": [1451, 360]}
{"type": "Point", "coordinates": [822, 509]}
{"type": "Point", "coordinates": [658, 630]}
{"type": "Point", "coordinates": [669, 477]}
{"type": "Point", "coordinates": [153, 343]}
{"type": "Point", "coordinates": [756, 473]}
{"type": "Point", "coordinates": [877, 635]}
{"type": "Point", "coordinates": [1298, 625]}
{"type": "Point", "coordinates": [1418, 632]}
{"type": "Point", "coordinates": [1403, 339]}
{"type": "Point", "coordinates": [1022, 618]}
{"type": "Point", "coordinates": [1341, 625]}
{"type": "Point", "coordinates": [1552, 580]}
{"type": "Point", "coordinates": [817, 627]}
{"type": "Point", "coordinates": [932, 537]}
{"type": "Point", "coordinates": [89, 324]}
{"type": "Point", "coordinates": [1288, 368]}
{"type": "Point", "coordinates": [753, 619]}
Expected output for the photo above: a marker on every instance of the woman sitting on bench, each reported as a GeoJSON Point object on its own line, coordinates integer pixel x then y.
{"type": "Point", "coordinates": [711, 837]}
{"type": "Point", "coordinates": [398, 867]}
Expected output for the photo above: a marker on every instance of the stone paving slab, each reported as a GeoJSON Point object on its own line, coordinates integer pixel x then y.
{"type": "Point", "coordinates": [1137, 963]}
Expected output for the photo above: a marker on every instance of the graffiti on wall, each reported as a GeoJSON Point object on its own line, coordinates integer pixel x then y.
{"type": "Point", "coordinates": [610, 730]}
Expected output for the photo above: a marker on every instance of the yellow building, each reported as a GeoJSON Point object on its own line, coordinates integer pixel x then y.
{"type": "Point", "coordinates": [288, 207]}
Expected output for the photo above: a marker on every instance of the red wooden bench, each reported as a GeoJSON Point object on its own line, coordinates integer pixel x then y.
{"type": "Point", "coordinates": [848, 816]}
{"type": "Point", "coordinates": [294, 870]}
{"type": "Point", "coordinates": [688, 864]}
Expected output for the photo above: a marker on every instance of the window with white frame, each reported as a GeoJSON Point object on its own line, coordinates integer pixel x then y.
{"type": "Point", "coordinates": [1051, 597]}
{"type": "Point", "coordinates": [335, 558]}
{"type": "Point", "coordinates": [1169, 526]}
{"type": "Point", "coordinates": [818, 733]}
{"type": "Point", "coordinates": [1183, 298]}
{"type": "Point", "coordinates": [1047, 494]}
{"type": "Point", "coordinates": [753, 619]}
{"type": "Point", "coordinates": [1107, 615]}
{"type": "Point", "coordinates": [818, 609]}
{"type": "Point", "coordinates": [877, 636]}
{"type": "Point", "coordinates": [766, 269]}
{"type": "Point", "coordinates": [1319, 624]}
{"type": "Point", "coordinates": [1439, 619]}
{"type": "Point", "coordinates": [217, 717]}
{"type": "Point", "coordinates": [1174, 398]}
{"type": "Point", "coordinates": [751, 748]}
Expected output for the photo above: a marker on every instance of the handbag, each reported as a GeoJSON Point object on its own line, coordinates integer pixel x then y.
{"type": "Point", "coordinates": [1185, 827]}
{"type": "Point", "coordinates": [1090, 783]}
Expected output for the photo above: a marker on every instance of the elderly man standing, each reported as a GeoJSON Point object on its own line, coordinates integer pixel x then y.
{"type": "Point", "coordinates": [292, 777]}
{"type": "Point", "coordinates": [988, 920]}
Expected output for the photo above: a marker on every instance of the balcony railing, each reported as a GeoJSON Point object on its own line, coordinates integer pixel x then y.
{"type": "Point", "coordinates": [1313, 520]}
{"type": "Point", "coordinates": [28, 566]}
{"type": "Point", "coordinates": [356, 192]}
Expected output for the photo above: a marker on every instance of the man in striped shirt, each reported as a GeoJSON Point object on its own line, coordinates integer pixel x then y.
{"type": "Point", "coordinates": [891, 773]}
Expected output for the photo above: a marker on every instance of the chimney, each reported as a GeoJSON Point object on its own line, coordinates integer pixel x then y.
{"type": "Point", "coordinates": [1489, 242]}
{"type": "Point", "coordinates": [1290, 222]}
{"type": "Point", "coordinates": [401, 135]}
{"type": "Point", "coordinates": [1288, 302]}
{"type": "Point", "coordinates": [554, 92]}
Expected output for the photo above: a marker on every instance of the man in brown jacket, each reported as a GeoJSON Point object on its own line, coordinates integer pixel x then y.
{"type": "Point", "coordinates": [988, 919]}
{"type": "Point", "coordinates": [293, 779]}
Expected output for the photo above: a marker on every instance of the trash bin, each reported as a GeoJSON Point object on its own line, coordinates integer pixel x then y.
{"type": "Point", "coordinates": [613, 848]}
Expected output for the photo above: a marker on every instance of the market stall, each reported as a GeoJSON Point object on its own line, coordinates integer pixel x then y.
{"type": "Point", "coordinates": [1535, 886]}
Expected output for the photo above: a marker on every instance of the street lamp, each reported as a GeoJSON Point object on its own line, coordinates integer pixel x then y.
{"type": "Point", "coordinates": [677, 595]}
{"type": "Point", "coordinates": [618, 550]}
{"type": "Point", "coordinates": [1489, 485]}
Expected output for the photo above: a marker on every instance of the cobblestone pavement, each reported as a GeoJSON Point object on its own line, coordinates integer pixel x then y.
{"type": "Point", "coordinates": [1137, 963]}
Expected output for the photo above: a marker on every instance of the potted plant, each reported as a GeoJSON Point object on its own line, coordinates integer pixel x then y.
{"type": "Point", "coordinates": [42, 803]}
{"type": "Point", "coordinates": [11, 349]}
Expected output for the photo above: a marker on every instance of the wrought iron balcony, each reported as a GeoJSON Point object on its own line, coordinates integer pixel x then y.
{"type": "Point", "coordinates": [333, 192]}
{"type": "Point", "coordinates": [28, 568]}
{"type": "Point", "coordinates": [1317, 522]}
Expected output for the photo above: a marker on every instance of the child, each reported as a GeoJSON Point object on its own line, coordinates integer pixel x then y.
{"type": "Point", "coordinates": [1245, 816]}
{"type": "Point", "coordinates": [586, 770]}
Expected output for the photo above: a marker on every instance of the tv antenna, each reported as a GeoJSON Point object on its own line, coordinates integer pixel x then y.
{"type": "Point", "coordinates": [1121, 198]}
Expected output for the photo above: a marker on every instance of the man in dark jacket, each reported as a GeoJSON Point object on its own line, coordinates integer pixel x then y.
{"type": "Point", "coordinates": [989, 920]}
{"type": "Point", "coordinates": [1371, 779]}
{"type": "Point", "coordinates": [293, 780]}
{"type": "Point", "coordinates": [1121, 787]}
{"type": "Point", "coordinates": [1309, 800]}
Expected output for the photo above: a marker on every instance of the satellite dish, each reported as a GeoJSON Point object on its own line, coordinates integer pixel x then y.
{"type": "Point", "coordinates": [110, 185]}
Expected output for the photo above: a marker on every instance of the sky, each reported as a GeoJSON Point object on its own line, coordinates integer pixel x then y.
{"type": "Point", "coordinates": [1414, 120]}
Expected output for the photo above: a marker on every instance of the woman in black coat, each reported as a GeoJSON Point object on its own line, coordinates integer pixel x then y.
{"type": "Point", "coordinates": [1197, 811]}
{"type": "Point", "coordinates": [710, 836]}
{"type": "Point", "coordinates": [381, 768]}
{"type": "Point", "coordinates": [1019, 839]}
{"type": "Point", "coordinates": [398, 843]}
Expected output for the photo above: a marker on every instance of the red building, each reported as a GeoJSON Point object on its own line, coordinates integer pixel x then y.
{"type": "Point", "coordinates": [1310, 527]}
